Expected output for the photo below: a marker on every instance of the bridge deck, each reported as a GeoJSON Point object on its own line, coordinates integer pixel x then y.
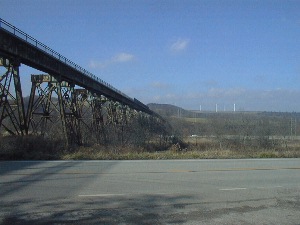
{"type": "Point", "coordinates": [18, 45]}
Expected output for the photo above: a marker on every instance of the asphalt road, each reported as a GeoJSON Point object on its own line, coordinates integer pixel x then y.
{"type": "Point", "coordinates": [256, 191]}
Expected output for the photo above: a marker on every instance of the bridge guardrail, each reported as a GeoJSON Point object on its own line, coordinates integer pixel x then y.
{"type": "Point", "coordinates": [29, 39]}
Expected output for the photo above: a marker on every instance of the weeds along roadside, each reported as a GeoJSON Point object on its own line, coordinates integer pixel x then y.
{"type": "Point", "coordinates": [217, 136]}
{"type": "Point", "coordinates": [37, 148]}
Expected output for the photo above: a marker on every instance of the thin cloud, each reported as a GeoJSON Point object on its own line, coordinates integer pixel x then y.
{"type": "Point", "coordinates": [211, 83]}
{"type": "Point", "coordinates": [159, 85]}
{"type": "Point", "coordinates": [168, 98]}
{"type": "Point", "coordinates": [180, 45]}
{"type": "Point", "coordinates": [118, 58]}
{"type": "Point", "coordinates": [122, 57]}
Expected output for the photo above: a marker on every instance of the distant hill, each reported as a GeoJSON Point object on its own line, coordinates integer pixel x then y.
{"type": "Point", "coordinates": [169, 110]}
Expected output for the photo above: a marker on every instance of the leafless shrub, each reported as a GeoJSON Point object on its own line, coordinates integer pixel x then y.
{"type": "Point", "coordinates": [29, 147]}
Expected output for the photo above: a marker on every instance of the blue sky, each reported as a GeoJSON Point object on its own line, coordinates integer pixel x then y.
{"type": "Point", "coordinates": [188, 53]}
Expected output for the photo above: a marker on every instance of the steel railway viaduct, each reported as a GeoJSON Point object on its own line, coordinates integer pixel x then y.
{"type": "Point", "coordinates": [66, 91]}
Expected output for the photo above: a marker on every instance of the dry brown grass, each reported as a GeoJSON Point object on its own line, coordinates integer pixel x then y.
{"type": "Point", "coordinates": [30, 148]}
{"type": "Point", "coordinates": [24, 148]}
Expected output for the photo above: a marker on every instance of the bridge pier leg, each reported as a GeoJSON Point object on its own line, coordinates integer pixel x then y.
{"type": "Point", "coordinates": [112, 122]}
{"type": "Point", "coordinates": [84, 113]}
{"type": "Point", "coordinates": [111, 113]}
{"type": "Point", "coordinates": [44, 108]}
{"type": "Point", "coordinates": [69, 113]}
{"type": "Point", "coordinates": [123, 121]}
{"type": "Point", "coordinates": [118, 117]}
{"type": "Point", "coordinates": [98, 118]}
{"type": "Point", "coordinates": [12, 110]}
{"type": "Point", "coordinates": [81, 113]}
{"type": "Point", "coordinates": [62, 114]}
{"type": "Point", "coordinates": [41, 106]}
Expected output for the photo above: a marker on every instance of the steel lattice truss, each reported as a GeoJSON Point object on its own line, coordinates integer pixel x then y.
{"type": "Point", "coordinates": [59, 108]}
{"type": "Point", "coordinates": [67, 101]}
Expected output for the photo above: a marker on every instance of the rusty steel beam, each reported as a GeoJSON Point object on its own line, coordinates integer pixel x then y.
{"type": "Point", "coordinates": [12, 110]}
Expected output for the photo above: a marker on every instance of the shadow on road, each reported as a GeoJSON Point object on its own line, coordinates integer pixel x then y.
{"type": "Point", "coordinates": [148, 209]}
{"type": "Point", "coordinates": [17, 176]}
{"type": "Point", "coordinates": [23, 199]}
{"type": "Point", "coordinates": [140, 209]}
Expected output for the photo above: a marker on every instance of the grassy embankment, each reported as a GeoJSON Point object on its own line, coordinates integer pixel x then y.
{"type": "Point", "coordinates": [33, 148]}
{"type": "Point", "coordinates": [220, 137]}
{"type": "Point", "coordinates": [191, 148]}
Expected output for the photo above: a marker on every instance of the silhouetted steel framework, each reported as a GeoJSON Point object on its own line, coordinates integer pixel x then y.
{"type": "Point", "coordinates": [53, 95]}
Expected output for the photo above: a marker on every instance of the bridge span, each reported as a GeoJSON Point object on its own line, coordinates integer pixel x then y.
{"type": "Point", "coordinates": [56, 92]}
